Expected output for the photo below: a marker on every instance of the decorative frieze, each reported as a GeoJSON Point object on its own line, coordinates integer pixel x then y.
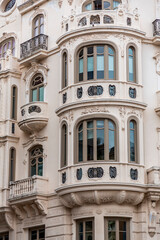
{"type": "Point", "coordinates": [95, 19]}
{"type": "Point", "coordinates": [82, 22]}
{"type": "Point", "coordinates": [79, 92]}
{"type": "Point", "coordinates": [95, 172]}
{"type": "Point", "coordinates": [95, 90]}
{"type": "Point", "coordinates": [107, 19]}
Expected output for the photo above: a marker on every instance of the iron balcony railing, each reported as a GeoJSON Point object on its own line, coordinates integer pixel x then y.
{"type": "Point", "coordinates": [29, 47]}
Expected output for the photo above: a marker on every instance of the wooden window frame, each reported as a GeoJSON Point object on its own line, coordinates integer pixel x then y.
{"type": "Point", "coordinates": [64, 152]}
{"type": "Point", "coordinates": [64, 73]}
{"type": "Point", "coordinates": [8, 41]}
{"type": "Point", "coordinates": [14, 99]}
{"type": "Point", "coordinates": [135, 64]}
{"type": "Point", "coordinates": [12, 158]}
{"type": "Point", "coordinates": [36, 229]}
{"type": "Point", "coordinates": [136, 134]}
{"type": "Point", "coordinates": [38, 17]}
{"type": "Point", "coordinates": [36, 158]}
{"type": "Point", "coordinates": [38, 86]}
{"type": "Point", "coordinates": [84, 221]}
{"type": "Point", "coordinates": [106, 141]}
{"type": "Point", "coordinates": [93, 6]}
{"type": "Point", "coordinates": [106, 62]}
{"type": "Point", "coordinates": [117, 220]}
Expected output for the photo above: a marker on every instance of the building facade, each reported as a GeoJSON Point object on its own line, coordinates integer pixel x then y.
{"type": "Point", "coordinates": [79, 120]}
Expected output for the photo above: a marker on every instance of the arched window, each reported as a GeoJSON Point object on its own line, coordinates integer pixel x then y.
{"type": "Point", "coordinates": [36, 161]}
{"type": "Point", "coordinates": [37, 88]}
{"type": "Point", "coordinates": [38, 25]}
{"type": "Point", "coordinates": [96, 140]}
{"type": "Point", "coordinates": [65, 70]}
{"type": "Point", "coordinates": [100, 5]}
{"type": "Point", "coordinates": [14, 93]}
{"type": "Point", "coordinates": [132, 141]}
{"type": "Point", "coordinates": [12, 164]}
{"type": "Point", "coordinates": [5, 45]}
{"type": "Point", "coordinates": [131, 64]}
{"type": "Point", "coordinates": [96, 62]}
{"type": "Point", "coordinates": [64, 145]}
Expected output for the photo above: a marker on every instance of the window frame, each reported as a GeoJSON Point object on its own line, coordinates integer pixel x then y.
{"type": "Point", "coordinates": [117, 220]}
{"type": "Point", "coordinates": [135, 63]}
{"type": "Point", "coordinates": [136, 136]}
{"type": "Point", "coordinates": [12, 171]}
{"type": "Point", "coordinates": [64, 73]}
{"type": "Point", "coordinates": [38, 86]}
{"type": "Point", "coordinates": [106, 145]}
{"type": "Point", "coordinates": [36, 229]}
{"type": "Point", "coordinates": [84, 220]}
{"type": "Point", "coordinates": [93, 8]}
{"type": "Point", "coordinates": [6, 42]}
{"type": "Point", "coordinates": [14, 101]}
{"type": "Point", "coordinates": [31, 158]}
{"type": "Point", "coordinates": [95, 54]}
{"type": "Point", "coordinates": [38, 17]}
{"type": "Point", "coordinates": [64, 150]}
{"type": "Point", "coordinates": [2, 235]}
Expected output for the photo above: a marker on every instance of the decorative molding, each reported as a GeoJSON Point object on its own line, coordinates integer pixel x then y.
{"type": "Point", "coordinates": [42, 206]}
{"type": "Point", "coordinates": [64, 98]}
{"type": "Point", "coordinates": [134, 174]}
{"type": "Point", "coordinates": [94, 110]}
{"type": "Point", "coordinates": [60, 3]}
{"type": "Point", "coordinates": [34, 139]}
{"type": "Point", "coordinates": [9, 220]}
{"type": "Point", "coordinates": [95, 90]}
{"type": "Point", "coordinates": [64, 177]}
{"type": "Point", "coordinates": [95, 172]}
{"type": "Point", "coordinates": [112, 90]}
{"type": "Point", "coordinates": [79, 92]}
{"type": "Point", "coordinates": [112, 172]}
{"type": "Point", "coordinates": [18, 212]}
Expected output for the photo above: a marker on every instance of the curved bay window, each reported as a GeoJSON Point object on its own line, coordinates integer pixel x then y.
{"type": "Point", "coordinates": [131, 64]}
{"type": "Point", "coordinates": [96, 62]}
{"type": "Point", "coordinates": [96, 140]}
{"type": "Point", "coordinates": [5, 45]}
{"type": "Point", "coordinates": [100, 5]}
{"type": "Point", "coordinates": [14, 102]}
{"type": "Point", "coordinates": [36, 161]}
{"type": "Point", "coordinates": [64, 70]}
{"type": "Point", "coordinates": [12, 164]}
{"type": "Point", "coordinates": [37, 88]}
{"type": "Point", "coordinates": [132, 141]}
{"type": "Point", "coordinates": [38, 25]}
{"type": "Point", "coordinates": [64, 145]}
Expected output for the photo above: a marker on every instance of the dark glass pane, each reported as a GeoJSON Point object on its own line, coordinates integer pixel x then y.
{"type": "Point", "coordinates": [9, 5]}
{"type": "Point", "coordinates": [111, 225]}
{"type": "Point", "coordinates": [34, 235]}
{"type": "Point", "coordinates": [111, 236]}
{"type": "Point", "coordinates": [111, 141]}
{"type": "Point", "coordinates": [90, 124]}
{"type": "Point", "coordinates": [89, 144]}
{"type": "Point", "coordinates": [33, 170]}
{"type": "Point", "coordinates": [90, 67]}
{"type": "Point", "coordinates": [132, 146]}
{"type": "Point", "coordinates": [12, 169]}
{"type": "Point", "coordinates": [81, 69]}
{"type": "Point", "coordinates": [106, 4]}
{"type": "Point", "coordinates": [41, 94]}
{"type": "Point", "coordinates": [13, 102]}
{"type": "Point", "coordinates": [122, 236]}
{"type": "Point", "coordinates": [88, 236]}
{"type": "Point", "coordinates": [80, 236]}
{"type": "Point", "coordinates": [6, 237]}
{"type": "Point", "coordinates": [41, 233]}
{"type": "Point", "coordinates": [80, 127]}
{"type": "Point", "coordinates": [122, 225]}
{"type": "Point", "coordinates": [98, 4]}
{"type": "Point", "coordinates": [80, 143]}
{"type": "Point", "coordinates": [1, 238]}
{"type": "Point", "coordinates": [100, 49]}
{"type": "Point", "coordinates": [89, 226]}
{"type": "Point", "coordinates": [81, 227]}
{"type": "Point", "coordinates": [40, 169]}
{"type": "Point", "coordinates": [100, 144]}
{"type": "Point", "coordinates": [90, 50]}
{"type": "Point", "coordinates": [33, 161]}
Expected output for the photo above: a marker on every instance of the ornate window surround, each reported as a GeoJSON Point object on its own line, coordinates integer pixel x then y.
{"type": "Point", "coordinates": [38, 17]}
{"type": "Point", "coordinates": [34, 15]}
{"type": "Point", "coordinates": [95, 43]}
{"type": "Point", "coordinates": [36, 158]}
{"type": "Point", "coordinates": [7, 36]}
{"type": "Point", "coordinates": [35, 69]}
{"type": "Point", "coordinates": [2, 8]}
{"type": "Point", "coordinates": [94, 117]}
{"type": "Point", "coordinates": [36, 87]}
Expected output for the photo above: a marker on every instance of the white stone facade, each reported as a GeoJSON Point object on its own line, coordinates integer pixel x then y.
{"type": "Point", "coordinates": [61, 195]}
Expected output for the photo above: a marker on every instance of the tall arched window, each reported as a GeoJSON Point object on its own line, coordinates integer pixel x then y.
{"type": "Point", "coordinates": [64, 145]}
{"type": "Point", "coordinates": [14, 93]}
{"type": "Point", "coordinates": [65, 70]}
{"type": "Point", "coordinates": [132, 141]}
{"type": "Point", "coordinates": [5, 45]}
{"type": "Point", "coordinates": [12, 164]}
{"type": "Point", "coordinates": [37, 88]}
{"type": "Point", "coordinates": [36, 161]}
{"type": "Point", "coordinates": [100, 5]}
{"type": "Point", "coordinates": [38, 25]}
{"type": "Point", "coordinates": [96, 62]}
{"type": "Point", "coordinates": [131, 64]}
{"type": "Point", "coordinates": [96, 140]}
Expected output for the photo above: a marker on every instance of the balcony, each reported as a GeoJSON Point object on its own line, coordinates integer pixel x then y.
{"type": "Point", "coordinates": [103, 92]}
{"type": "Point", "coordinates": [35, 48]}
{"type": "Point", "coordinates": [34, 117]}
{"type": "Point", "coordinates": [156, 32]}
{"type": "Point", "coordinates": [29, 196]}
{"type": "Point", "coordinates": [97, 183]}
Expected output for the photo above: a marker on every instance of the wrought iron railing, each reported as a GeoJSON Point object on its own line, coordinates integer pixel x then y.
{"type": "Point", "coordinates": [156, 27]}
{"type": "Point", "coordinates": [29, 47]}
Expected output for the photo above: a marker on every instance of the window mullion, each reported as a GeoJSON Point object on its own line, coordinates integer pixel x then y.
{"type": "Point", "coordinates": [85, 141]}
{"type": "Point", "coordinates": [85, 64]}
{"type": "Point", "coordinates": [117, 230]}
{"type": "Point", "coordinates": [95, 140]}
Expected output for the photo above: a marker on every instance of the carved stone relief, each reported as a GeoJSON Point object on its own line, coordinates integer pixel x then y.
{"type": "Point", "coordinates": [95, 172]}
{"type": "Point", "coordinates": [64, 177]}
{"type": "Point", "coordinates": [64, 98]}
{"type": "Point", "coordinates": [132, 92]}
{"type": "Point", "coordinates": [95, 90]}
{"type": "Point", "coordinates": [134, 174]}
{"type": "Point", "coordinates": [112, 172]}
{"type": "Point", "coordinates": [112, 90]}
{"type": "Point", "coordinates": [79, 92]}
{"type": "Point", "coordinates": [79, 174]}
{"type": "Point", "coordinates": [34, 108]}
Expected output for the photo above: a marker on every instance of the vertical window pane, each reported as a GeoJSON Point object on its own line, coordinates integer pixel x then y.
{"type": "Point", "coordinates": [40, 167]}
{"type": "Point", "coordinates": [88, 7]}
{"type": "Point", "coordinates": [111, 66]}
{"type": "Point", "coordinates": [34, 95]}
{"type": "Point", "coordinates": [34, 235]}
{"type": "Point", "coordinates": [41, 29]}
{"type": "Point", "coordinates": [111, 141]}
{"type": "Point", "coordinates": [100, 140]}
{"type": "Point", "coordinates": [33, 170]}
{"type": "Point", "coordinates": [132, 141]}
{"type": "Point", "coordinates": [131, 77]}
{"type": "Point", "coordinates": [111, 230]}
{"type": "Point", "coordinates": [122, 230]}
{"type": "Point", "coordinates": [41, 94]}
{"type": "Point", "coordinates": [80, 143]}
{"type": "Point", "coordinates": [41, 234]}
{"type": "Point", "coordinates": [81, 65]}
{"type": "Point", "coordinates": [106, 4]}
{"type": "Point", "coordinates": [90, 140]}
{"type": "Point", "coordinates": [14, 95]}
{"type": "Point", "coordinates": [115, 4]}
{"type": "Point", "coordinates": [90, 68]}
{"type": "Point", "coordinates": [100, 62]}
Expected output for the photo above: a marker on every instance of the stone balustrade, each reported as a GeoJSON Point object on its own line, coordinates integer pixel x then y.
{"type": "Point", "coordinates": [27, 187]}
{"type": "Point", "coordinates": [34, 116]}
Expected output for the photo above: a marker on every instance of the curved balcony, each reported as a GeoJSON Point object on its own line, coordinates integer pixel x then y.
{"type": "Point", "coordinates": [34, 117]}
{"type": "Point", "coordinates": [101, 92]}
{"type": "Point", "coordinates": [97, 183]}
